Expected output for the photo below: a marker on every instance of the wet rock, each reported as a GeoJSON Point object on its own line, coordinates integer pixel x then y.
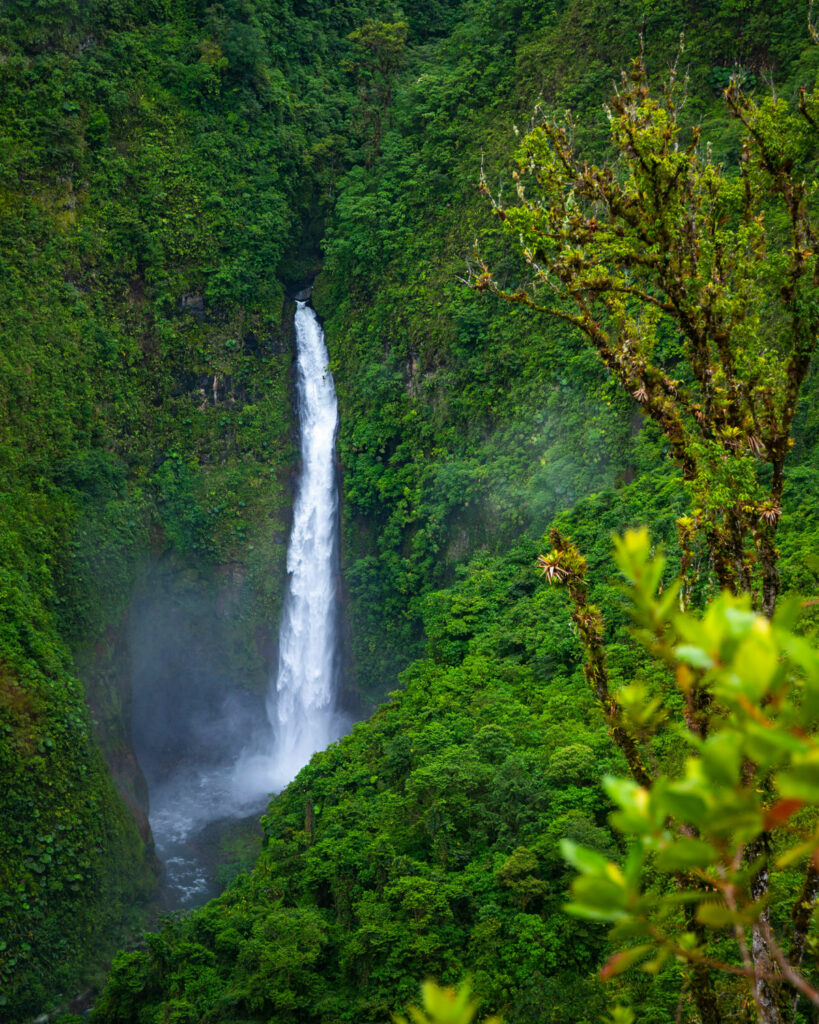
{"type": "Point", "coordinates": [193, 303]}
{"type": "Point", "coordinates": [83, 1002]}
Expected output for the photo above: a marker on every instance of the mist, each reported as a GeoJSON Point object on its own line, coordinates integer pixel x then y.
{"type": "Point", "coordinates": [212, 748]}
{"type": "Point", "coordinates": [194, 714]}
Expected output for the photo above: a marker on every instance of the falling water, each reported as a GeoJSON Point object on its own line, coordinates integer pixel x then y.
{"type": "Point", "coordinates": [301, 702]}
{"type": "Point", "coordinates": [301, 705]}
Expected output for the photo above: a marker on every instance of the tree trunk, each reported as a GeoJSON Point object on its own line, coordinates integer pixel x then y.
{"type": "Point", "coordinates": [766, 991]}
{"type": "Point", "coordinates": [770, 575]}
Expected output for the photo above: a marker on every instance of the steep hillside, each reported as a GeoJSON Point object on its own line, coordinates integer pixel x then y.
{"type": "Point", "coordinates": [170, 174]}
{"type": "Point", "coordinates": [164, 172]}
{"type": "Point", "coordinates": [464, 423]}
{"type": "Point", "coordinates": [426, 843]}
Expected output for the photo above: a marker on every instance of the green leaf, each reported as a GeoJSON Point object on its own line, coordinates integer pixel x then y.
{"type": "Point", "coordinates": [622, 961]}
{"type": "Point", "coordinates": [737, 819]}
{"type": "Point", "coordinates": [755, 665]}
{"type": "Point", "coordinates": [716, 915]}
{"type": "Point", "coordinates": [769, 745]}
{"type": "Point", "coordinates": [630, 928]}
{"type": "Point", "coordinates": [800, 783]}
{"type": "Point", "coordinates": [722, 757]}
{"type": "Point", "coordinates": [685, 854]}
{"type": "Point", "coordinates": [625, 793]}
{"type": "Point", "coordinates": [621, 1015]}
{"type": "Point", "coordinates": [582, 859]}
{"type": "Point", "coordinates": [740, 621]}
{"type": "Point", "coordinates": [694, 656]}
{"type": "Point", "coordinates": [588, 913]}
{"type": "Point", "coordinates": [682, 802]}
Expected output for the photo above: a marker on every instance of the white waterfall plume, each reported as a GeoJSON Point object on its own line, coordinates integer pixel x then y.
{"type": "Point", "coordinates": [208, 784]}
{"type": "Point", "coordinates": [301, 706]}
{"type": "Point", "coordinates": [301, 703]}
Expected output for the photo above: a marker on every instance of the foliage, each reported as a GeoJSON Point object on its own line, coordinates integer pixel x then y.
{"type": "Point", "coordinates": [444, 1006]}
{"type": "Point", "coordinates": [739, 806]}
{"type": "Point", "coordinates": [168, 173]}
{"type": "Point", "coordinates": [708, 319]}
{"type": "Point", "coordinates": [157, 167]}
{"type": "Point", "coordinates": [426, 843]}
{"type": "Point", "coordinates": [696, 287]}
{"type": "Point", "coordinates": [379, 53]}
{"type": "Point", "coordinates": [462, 423]}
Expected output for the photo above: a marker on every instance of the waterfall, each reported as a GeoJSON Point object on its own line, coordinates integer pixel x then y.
{"type": "Point", "coordinates": [208, 783]}
{"type": "Point", "coordinates": [301, 704]}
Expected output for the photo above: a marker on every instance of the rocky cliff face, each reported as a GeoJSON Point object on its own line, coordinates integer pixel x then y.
{"type": "Point", "coordinates": [104, 670]}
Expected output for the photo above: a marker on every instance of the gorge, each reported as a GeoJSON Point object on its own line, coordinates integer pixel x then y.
{"type": "Point", "coordinates": [172, 174]}
{"type": "Point", "coordinates": [200, 737]}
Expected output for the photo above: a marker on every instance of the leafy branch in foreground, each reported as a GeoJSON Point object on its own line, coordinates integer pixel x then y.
{"type": "Point", "coordinates": [444, 1006]}
{"type": "Point", "coordinates": [696, 286]}
{"type": "Point", "coordinates": [752, 771]}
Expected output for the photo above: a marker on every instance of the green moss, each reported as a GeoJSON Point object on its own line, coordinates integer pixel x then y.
{"type": "Point", "coordinates": [167, 170]}
{"type": "Point", "coordinates": [156, 169]}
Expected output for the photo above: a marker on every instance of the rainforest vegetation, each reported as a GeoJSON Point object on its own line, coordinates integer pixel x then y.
{"type": "Point", "coordinates": [170, 175]}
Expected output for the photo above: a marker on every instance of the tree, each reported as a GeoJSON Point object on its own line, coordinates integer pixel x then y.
{"type": "Point", "coordinates": [753, 770]}
{"type": "Point", "coordinates": [698, 288]}
{"type": "Point", "coordinates": [379, 54]}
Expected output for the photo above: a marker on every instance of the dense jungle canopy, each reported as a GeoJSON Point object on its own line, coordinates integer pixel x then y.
{"type": "Point", "coordinates": [171, 174]}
